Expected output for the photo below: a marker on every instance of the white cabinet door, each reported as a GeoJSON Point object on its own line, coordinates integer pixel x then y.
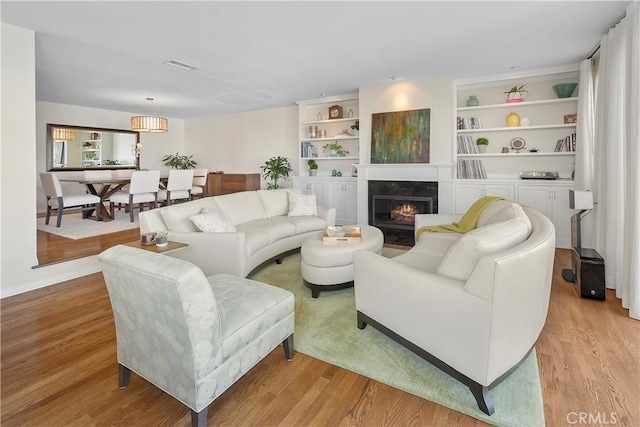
{"type": "Point", "coordinates": [313, 186]}
{"type": "Point", "coordinates": [562, 216]}
{"type": "Point", "coordinates": [553, 202]}
{"type": "Point", "coordinates": [467, 194]}
{"type": "Point", "coordinates": [343, 196]}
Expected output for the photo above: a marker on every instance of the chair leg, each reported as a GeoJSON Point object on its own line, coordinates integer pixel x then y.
{"type": "Point", "coordinates": [131, 207]}
{"type": "Point", "coordinates": [59, 221]}
{"type": "Point", "coordinates": [124, 375]}
{"type": "Point", "coordinates": [98, 211]}
{"type": "Point", "coordinates": [46, 221]}
{"type": "Point", "coordinates": [481, 393]}
{"type": "Point", "coordinates": [287, 344]}
{"type": "Point", "coordinates": [112, 210]}
{"type": "Point", "coordinates": [199, 419]}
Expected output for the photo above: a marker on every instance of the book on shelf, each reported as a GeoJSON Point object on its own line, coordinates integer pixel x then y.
{"type": "Point", "coordinates": [567, 143]}
{"type": "Point", "coordinates": [470, 169]}
{"type": "Point", "coordinates": [463, 123]}
{"type": "Point", "coordinates": [345, 233]}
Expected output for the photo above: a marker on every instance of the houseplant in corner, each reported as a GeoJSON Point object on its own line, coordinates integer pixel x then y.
{"type": "Point", "coordinates": [516, 94]}
{"type": "Point", "coordinates": [313, 167]}
{"type": "Point", "coordinates": [482, 144]}
{"type": "Point", "coordinates": [179, 162]}
{"type": "Point", "coordinates": [274, 169]}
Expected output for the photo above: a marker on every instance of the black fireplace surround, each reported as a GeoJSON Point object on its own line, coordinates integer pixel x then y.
{"type": "Point", "coordinates": [392, 205]}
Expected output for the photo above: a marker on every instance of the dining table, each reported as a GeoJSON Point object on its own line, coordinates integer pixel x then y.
{"type": "Point", "coordinates": [105, 188]}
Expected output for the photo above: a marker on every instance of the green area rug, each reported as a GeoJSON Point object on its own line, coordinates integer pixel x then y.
{"type": "Point", "coordinates": [326, 329]}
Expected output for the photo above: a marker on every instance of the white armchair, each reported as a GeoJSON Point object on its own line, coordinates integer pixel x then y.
{"type": "Point", "coordinates": [472, 305]}
{"type": "Point", "coordinates": [190, 335]}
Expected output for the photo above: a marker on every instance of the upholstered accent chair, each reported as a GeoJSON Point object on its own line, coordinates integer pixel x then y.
{"type": "Point", "coordinates": [142, 189]}
{"type": "Point", "coordinates": [199, 183]}
{"type": "Point", "coordinates": [57, 201]}
{"type": "Point", "coordinates": [473, 305]}
{"type": "Point", "coordinates": [190, 335]}
{"type": "Point", "coordinates": [178, 186]}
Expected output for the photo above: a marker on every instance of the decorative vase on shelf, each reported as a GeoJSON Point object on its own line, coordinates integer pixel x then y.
{"type": "Point", "coordinates": [513, 120]}
{"type": "Point", "coordinates": [472, 101]}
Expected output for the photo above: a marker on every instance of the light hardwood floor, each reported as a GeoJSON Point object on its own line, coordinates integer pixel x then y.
{"type": "Point", "coordinates": [59, 369]}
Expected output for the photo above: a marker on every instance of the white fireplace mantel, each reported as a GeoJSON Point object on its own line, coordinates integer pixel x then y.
{"type": "Point", "coordinates": [440, 173]}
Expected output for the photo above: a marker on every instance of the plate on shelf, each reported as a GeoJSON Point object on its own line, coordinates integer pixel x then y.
{"type": "Point", "coordinates": [517, 144]}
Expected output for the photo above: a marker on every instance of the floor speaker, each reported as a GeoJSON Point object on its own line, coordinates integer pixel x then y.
{"type": "Point", "coordinates": [588, 268]}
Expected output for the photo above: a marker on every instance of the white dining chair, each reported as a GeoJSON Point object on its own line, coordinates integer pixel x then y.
{"type": "Point", "coordinates": [199, 182]}
{"type": "Point", "coordinates": [57, 201]}
{"type": "Point", "coordinates": [142, 189]}
{"type": "Point", "coordinates": [178, 186]}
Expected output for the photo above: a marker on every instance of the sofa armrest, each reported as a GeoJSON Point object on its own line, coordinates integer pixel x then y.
{"type": "Point", "coordinates": [328, 214]}
{"type": "Point", "coordinates": [214, 253]}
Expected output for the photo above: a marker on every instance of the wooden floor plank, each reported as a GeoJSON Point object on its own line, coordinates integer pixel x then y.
{"type": "Point", "coordinates": [58, 368]}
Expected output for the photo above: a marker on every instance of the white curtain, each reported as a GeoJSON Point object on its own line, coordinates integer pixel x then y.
{"type": "Point", "coordinates": [586, 128]}
{"type": "Point", "coordinates": [617, 159]}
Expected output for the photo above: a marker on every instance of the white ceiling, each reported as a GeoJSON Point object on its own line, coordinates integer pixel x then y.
{"type": "Point", "coordinates": [256, 55]}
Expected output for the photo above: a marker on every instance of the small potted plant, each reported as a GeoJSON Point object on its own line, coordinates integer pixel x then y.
{"type": "Point", "coordinates": [356, 128]}
{"type": "Point", "coordinates": [162, 238]}
{"type": "Point", "coordinates": [516, 94]}
{"type": "Point", "coordinates": [335, 149]}
{"type": "Point", "coordinates": [313, 167]}
{"type": "Point", "coordinates": [482, 144]}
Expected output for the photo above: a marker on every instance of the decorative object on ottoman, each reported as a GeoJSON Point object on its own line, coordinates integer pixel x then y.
{"type": "Point", "coordinates": [329, 265]}
{"type": "Point", "coordinates": [347, 233]}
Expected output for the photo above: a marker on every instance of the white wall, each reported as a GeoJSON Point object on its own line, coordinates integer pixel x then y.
{"type": "Point", "coordinates": [242, 142]}
{"type": "Point", "coordinates": [435, 93]}
{"type": "Point", "coordinates": [154, 145]}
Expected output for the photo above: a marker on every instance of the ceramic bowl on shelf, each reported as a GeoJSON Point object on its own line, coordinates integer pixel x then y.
{"type": "Point", "coordinates": [564, 90]}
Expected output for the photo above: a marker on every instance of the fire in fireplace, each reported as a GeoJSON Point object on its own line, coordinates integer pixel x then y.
{"type": "Point", "coordinates": [394, 204]}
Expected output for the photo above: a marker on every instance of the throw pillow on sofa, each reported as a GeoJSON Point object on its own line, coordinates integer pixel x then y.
{"type": "Point", "coordinates": [302, 205]}
{"type": "Point", "coordinates": [461, 258]}
{"type": "Point", "coordinates": [211, 221]}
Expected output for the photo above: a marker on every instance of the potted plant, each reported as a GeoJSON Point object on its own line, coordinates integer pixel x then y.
{"type": "Point", "coordinates": [335, 149]}
{"type": "Point", "coordinates": [356, 127]}
{"type": "Point", "coordinates": [313, 167]}
{"type": "Point", "coordinates": [179, 162]}
{"type": "Point", "coordinates": [274, 169]}
{"type": "Point", "coordinates": [162, 238]}
{"type": "Point", "coordinates": [516, 94]}
{"type": "Point", "coordinates": [482, 144]}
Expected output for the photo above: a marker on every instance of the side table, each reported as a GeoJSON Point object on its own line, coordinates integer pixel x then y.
{"type": "Point", "coordinates": [171, 246]}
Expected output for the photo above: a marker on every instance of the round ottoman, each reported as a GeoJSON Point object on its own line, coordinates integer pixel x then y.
{"type": "Point", "coordinates": [328, 266]}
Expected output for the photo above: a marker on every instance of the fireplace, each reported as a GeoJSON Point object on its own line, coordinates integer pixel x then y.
{"type": "Point", "coordinates": [393, 205]}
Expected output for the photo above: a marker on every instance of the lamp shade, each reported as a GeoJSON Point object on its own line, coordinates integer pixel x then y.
{"type": "Point", "coordinates": [149, 124]}
{"type": "Point", "coordinates": [63, 134]}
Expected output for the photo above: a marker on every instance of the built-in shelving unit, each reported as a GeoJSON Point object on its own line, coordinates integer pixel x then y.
{"type": "Point", "coordinates": [92, 150]}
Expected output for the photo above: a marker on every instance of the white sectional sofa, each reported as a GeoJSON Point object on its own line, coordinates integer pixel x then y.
{"type": "Point", "coordinates": [261, 229]}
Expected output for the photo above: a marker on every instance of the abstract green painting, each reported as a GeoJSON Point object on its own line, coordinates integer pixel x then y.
{"type": "Point", "coordinates": [400, 136]}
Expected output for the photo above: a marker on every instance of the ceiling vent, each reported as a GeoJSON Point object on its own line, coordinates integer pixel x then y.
{"type": "Point", "coordinates": [181, 65]}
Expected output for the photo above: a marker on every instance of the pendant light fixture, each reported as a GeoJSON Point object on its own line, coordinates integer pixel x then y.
{"type": "Point", "coordinates": [149, 123]}
{"type": "Point", "coordinates": [63, 134]}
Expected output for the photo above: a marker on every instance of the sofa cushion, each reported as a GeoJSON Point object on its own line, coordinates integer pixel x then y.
{"type": "Point", "coordinates": [302, 205]}
{"type": "Point", "coordinates": [461, 258]}
{"type": "Point", "coordinates": [241, 207]}
{"type": "Point", "coordinates": [273, 227]}
{"type": "Point", "coordinates": [256, 241]}
{"type": "Point", "coordinates": [305, 224]}
{"type": "Point", "coordinates": [176, 217]}
{"type": "Point", "coordinates": [211, 221]}
{"type": "Point", "coordinates": [276, 202]}
{"type": "Point", "coordinates": [512, 210]}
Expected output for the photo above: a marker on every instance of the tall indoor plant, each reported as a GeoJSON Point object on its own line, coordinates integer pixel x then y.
{"type": "Point", "coordinates": [274, 169]}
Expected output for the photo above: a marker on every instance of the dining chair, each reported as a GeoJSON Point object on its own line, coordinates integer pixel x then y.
{"type": "Point", "coordinates": [57, 201]}
{"type": "Point", "coordinates": [142, 189]}
{"type": "Point", "coordinates": [119, 174]}
{"type": "Point", "coordinates": [199, 182]}
{"type": "Point", "coordinates": [178, 186]}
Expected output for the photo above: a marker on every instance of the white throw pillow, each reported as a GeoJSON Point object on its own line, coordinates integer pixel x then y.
{"type": "Point", "coordinates": [302, 205]}
{"type": "Point", "coordinates": [210, 220]}
{"type": "Point", "coordinates": [461, 258]}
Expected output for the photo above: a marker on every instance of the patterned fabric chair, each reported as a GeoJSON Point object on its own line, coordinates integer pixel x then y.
{"type": "Point", "coordinates": [191, 336]}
